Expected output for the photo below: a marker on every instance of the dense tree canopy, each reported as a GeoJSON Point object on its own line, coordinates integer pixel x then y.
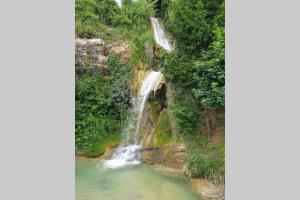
{"type": "Point", "coordinates": [198, 63]}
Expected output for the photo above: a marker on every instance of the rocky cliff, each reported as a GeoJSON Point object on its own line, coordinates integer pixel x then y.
{"type": "Point", "coordinates": [93, 54]}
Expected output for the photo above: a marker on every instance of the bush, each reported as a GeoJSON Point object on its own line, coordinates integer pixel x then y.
{"type": "Point", "coordinates": [186, 17]}
{"type": "Point", "coordinates": [206, 160]}
{"type": "Point", "coordinates": [101, 105]}
{"type": "Point", "coordinates": [184, 112]}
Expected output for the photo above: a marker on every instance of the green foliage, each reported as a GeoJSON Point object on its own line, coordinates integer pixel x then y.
{"type": "Point", "coordinates": [206, 160]}
{"type": "Point", "coordinates": [161, 7]}
{"type": "Point", "coordinates": [186, 17]}
{"type": "Point", "coordinates": [163, 134]}
{"type": "Point", "coordinates": [209, 74]}
{"type": "Point", "coordinates": [89, 14]}
{"type": "Point", "coordinates": [178, 69]}
{"type": "Point", "coordinates": [133, 16]}
{"type": "Point", "coordinates": [94, 16]}
{"type": "Point", "coordinates": [101, 103]}
{"type": "Point", "coordinates": [185, 112]}
{"type": "Point", "coordinates": [95, 11]}
{"type": "Point", "coordinates": [139, 47]}
{"type": "Point", "coordinates": [196, 65]}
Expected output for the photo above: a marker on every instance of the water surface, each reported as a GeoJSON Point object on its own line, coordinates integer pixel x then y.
{"type": "Point", "coordinates": [138, 182]}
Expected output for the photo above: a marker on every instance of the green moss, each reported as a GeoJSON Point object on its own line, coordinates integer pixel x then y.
{"type": "Point", "coordinates": [99, 148]}
{"type": "Point", "coordinates": [163, 134]}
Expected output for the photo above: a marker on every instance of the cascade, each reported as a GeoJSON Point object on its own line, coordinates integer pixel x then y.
{"type": "Point", "coordinates": [159, 35]}
{"type": "Point", "coordinates": [127, 152]}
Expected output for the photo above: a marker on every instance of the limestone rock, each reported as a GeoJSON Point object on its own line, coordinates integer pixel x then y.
{"type": "Point", "coordinates": [151, 155]}
{"type": "Point", "coordinates": [89, 53]}
{"type": "Point", "coordinates": [122, 51]}
{"type": "Point", "coordinates": [93, 54]}
{"type": "Point", "coordinates": [170, 157]}
{"type": "Point", "coordinates": [109, 153]}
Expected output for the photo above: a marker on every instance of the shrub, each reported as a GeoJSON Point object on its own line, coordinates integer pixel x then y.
{"type": "Point", "coordinates": [101, 104]}
{"type": "Point", "coordinates": [206, 160]}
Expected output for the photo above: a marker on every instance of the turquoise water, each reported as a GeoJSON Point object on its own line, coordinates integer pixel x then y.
{"type": "Point", "coordinates": [129, 183]}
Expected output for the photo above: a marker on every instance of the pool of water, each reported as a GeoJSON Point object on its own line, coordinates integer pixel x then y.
{"type": "Point", "coordinates": [138, 182]}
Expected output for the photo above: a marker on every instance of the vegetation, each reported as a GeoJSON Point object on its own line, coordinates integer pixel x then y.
{"type": "Point", "coordinates": [195, 74]}
{"type": "Point", "coordinates": [206, 160]}
{"type": "Point", "coordinates": [102, 102]}
{"type": "Point", "coordinates": [163, 134]}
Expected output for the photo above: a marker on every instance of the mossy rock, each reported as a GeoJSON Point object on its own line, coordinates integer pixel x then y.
{"type": "Point", "coordinates": [163, 134]}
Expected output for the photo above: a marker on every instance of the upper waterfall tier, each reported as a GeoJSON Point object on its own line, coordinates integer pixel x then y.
{"type": "Point", "coordinates": [159, 35]}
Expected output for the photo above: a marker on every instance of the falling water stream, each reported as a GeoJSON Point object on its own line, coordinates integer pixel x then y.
{"type": "Point", "coordinates": [159, 35]}
{"type": "Point", "coordinates": [127, 152]}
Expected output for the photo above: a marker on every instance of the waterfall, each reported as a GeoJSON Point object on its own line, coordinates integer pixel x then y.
{"type": "Point", "coordinates": [127, 152]}
{"type": "Point", "coordinates": [159, 35]}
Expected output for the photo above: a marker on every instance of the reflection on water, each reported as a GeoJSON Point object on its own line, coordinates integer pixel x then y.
{"type": "Point", "coordinates": [130, 183]}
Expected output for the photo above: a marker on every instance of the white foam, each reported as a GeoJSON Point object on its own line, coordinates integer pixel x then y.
{"type": "Point", "coordinates": [125, 155]}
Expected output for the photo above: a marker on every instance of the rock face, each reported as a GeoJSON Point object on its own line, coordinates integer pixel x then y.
{"type": "Point", "coordinates": [122, 51]}
{"type": "Point", "coordinates": [93, 54]}
{"type": "Point", "coordinates": [89, 53]}
{"type": "Point", "coordinates": [169, 157]}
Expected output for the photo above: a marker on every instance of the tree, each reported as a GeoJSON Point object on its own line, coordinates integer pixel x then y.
{"type": "Point", "coordinates": [188, 24]}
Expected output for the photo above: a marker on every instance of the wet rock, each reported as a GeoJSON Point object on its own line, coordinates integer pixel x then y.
{"type": "Point", "coordinates": [109, 152]}
{"type": "Point", "coordinates": [151, 156]}
{"type": "Point", "coordinates": [168, 157]}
